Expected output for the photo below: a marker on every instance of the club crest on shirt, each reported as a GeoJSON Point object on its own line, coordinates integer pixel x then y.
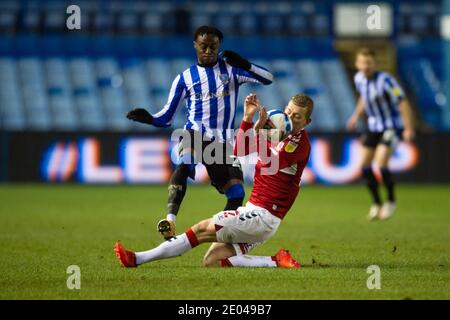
{"type": "Point", "coordinates": [224, 78]}
{"type": "Point", "coordinates": [290, 146]}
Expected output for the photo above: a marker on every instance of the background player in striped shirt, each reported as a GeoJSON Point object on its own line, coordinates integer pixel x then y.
{"type": "Point", "coordinates": [234, 233]}
{"type": "Point", "coordinates": [210, 89]}
{"type": "Point", "coordinates": [389, 119]}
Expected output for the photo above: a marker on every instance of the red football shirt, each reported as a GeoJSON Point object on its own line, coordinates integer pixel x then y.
{"type": "Point", "coordinates": [278, 170]}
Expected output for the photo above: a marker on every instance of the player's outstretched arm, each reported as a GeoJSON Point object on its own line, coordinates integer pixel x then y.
{"type": "Point", "coordinates": [251, 106]}
{"type": "Point", "coordinates": [247, 71]}
{"type": "Point", "coordinates": [242, 146]}
{"type": "Point", "coordinates": [164, 117]}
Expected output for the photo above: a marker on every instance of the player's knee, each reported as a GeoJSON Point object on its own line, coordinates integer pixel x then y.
{"type": "Point", "coordinates": [235, 196]}
{"type": "Point", "coordinates": [210, 260]}
{"type": "Point", "coordinates": [211, 263]}
{"type": "Point", "coordinates": [235, 191]}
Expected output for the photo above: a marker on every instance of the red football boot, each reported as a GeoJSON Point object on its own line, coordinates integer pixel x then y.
{"type": "Point", "coordinates": [284, 260]}
{"type": "Point", "coordinates": [127, 258]}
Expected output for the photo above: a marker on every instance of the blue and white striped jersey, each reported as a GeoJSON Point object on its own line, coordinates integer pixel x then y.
{"type": "Point", "coordinates": [381, 95]}
{"type": "Point", "coordinates": [211, 97]}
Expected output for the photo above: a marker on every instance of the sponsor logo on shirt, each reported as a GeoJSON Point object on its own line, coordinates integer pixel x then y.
{"type": "Point", "coordinates": [211, 95]}
{"type": "Point", "coordinates": [224, 78]}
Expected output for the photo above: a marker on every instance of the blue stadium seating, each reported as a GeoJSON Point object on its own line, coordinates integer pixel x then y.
{"type": "Point", "coordinates": [421, 67]}
{"type": "Point", "coordinates": [306, 17]}
{"type": "Point", "coordinates": [418, 17]}
{"type": "Point", "coordinates": [85, 94]}
{"type": "Point", "coordinates": [73, 83]}
{"type": "Point", "coordinates": [12, 112]}
{"type": "Point", "coordinates": [69, 83]}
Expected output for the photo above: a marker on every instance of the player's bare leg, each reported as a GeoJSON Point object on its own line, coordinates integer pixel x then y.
{"type": "Point", "coordinates": [224, 255]}
{"type": "Point", "coordinates": [176, 192]}
{"type": "Point", "coordinates": [367, 156]}
{"type": "Point", "coordinates": [218, 252]}
{"type": "Point", "coordinates": [382, 156]}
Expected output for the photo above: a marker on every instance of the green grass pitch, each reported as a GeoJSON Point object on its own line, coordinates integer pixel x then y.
{"type": "Point", "coordinates": [44, 229]}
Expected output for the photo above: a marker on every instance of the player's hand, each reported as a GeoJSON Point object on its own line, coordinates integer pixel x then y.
{"type": "Point", "coordinates": [140, 115]}
{"type": "Point", "coordinates": [251, 105]}
{"type": "Point", "coordinates": [262, 119]}
{"type": "Point", "coordinates": [235, 60]}
{"type": "Point", "coordinates": [408, 135]}
{"type": "Point", "coordinates": [351, 123]}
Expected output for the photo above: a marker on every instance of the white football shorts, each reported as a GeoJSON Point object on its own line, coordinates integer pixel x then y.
{"type": "Point", "coordinates": [245, 227]}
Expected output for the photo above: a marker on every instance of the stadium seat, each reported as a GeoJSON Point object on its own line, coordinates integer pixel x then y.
{"type": "Point", "coordinates": [103, 21]}
{"type": "Point", "coordinates": [199, 19]}
{"type": "Point", "coordinates": [12, 115]}
{"type": "Point", "coordinates": [156, 72]}
{"type": "Point", "coordinates": [31, 74]}
{"type": "Point", "coordinates": [128, 22]}
{"type": "Point", "coordinates": [247, 24]}
{"type": "Point", "coordinates": [421, 68]}
{"type": "Point", "coordinates": [326, 114]}
{"type": "Point", "coordinates": [86, 101]}
{"type": "Point", "coordinates": [341, 93]}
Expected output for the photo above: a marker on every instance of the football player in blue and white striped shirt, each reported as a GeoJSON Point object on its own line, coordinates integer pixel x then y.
{"type": "Point", "coordinates": [389, 119]}
{"type": "Point", "coordinates": [210, 89]}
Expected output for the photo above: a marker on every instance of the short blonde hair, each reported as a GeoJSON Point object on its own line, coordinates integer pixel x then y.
{"type": "Point", "coordinates": [304, 101]}
{"type": "Point", "coordinates": [365, 51]}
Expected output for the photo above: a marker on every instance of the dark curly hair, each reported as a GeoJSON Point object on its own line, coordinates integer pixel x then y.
{"type": "Point", "coordinates": [208, 30]}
